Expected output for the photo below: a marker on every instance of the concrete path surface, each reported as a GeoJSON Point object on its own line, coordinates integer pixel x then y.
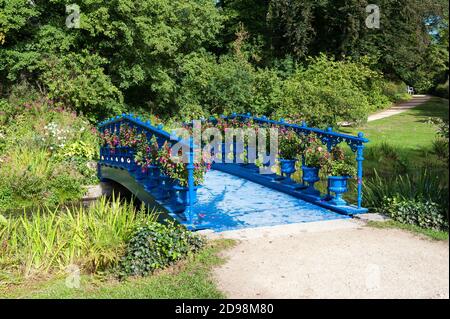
{"type": "Point", "coordinates": [399, 108]}
{"type": "Point", "coordinates": [333, 259]}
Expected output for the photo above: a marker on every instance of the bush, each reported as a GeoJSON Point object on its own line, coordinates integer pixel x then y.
{"type": "Point", "coordinates": [46, 153]}
{"type": "Point", "coordinates": [328, 92]}
{"type": "Point", "coordinates": [441, 90]}
{"type": "Point", "coordinates": [421, 187]}
{"type": "Point", "coordinates": [425, 214]}
{"type": "Point", "coordinates": [395, 91]}
{"type": "Point", "coordinates": [156, 246]}
{"type": "Point", "coordinates": [48, 240]}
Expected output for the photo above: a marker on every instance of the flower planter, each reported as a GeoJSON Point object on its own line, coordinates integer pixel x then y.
{"type": "Point", "coordinates": [338, 185]}
{"type": "Point", "coordinates": [287, 166]}
{"type": "Point", "coordinates": [311, 176]}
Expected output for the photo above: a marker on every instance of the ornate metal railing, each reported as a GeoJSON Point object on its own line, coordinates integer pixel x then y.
{"type": "Point", "coordinates": [123, 157]}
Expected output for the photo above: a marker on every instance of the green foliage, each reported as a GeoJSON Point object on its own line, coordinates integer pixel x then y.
{"type": "Point", "coordinates": [424, 214]}
{"type": "Point", "coordinates": [211, 87]}
{"type": "Point", "coordinates": [156, 246]}
{"type": "Point", "coordinates": [327, 92]}
{"type": "Point", "coordinates": [78, 80]}
{"type": "Point", "coordinates": [442, 90]}
{"type": "Point", "coordinates": [48, 240]}
{"type": "Point", "coordinates": [46, 154]}
{"type": "Point", "coordinates": [122, 49]}
{"type": "Point", "coordinates": [288, 144]}
{"type": "Point", "coordinates": [422, 185]}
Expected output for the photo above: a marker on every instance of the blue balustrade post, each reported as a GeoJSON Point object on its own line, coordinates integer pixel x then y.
{"type": "Point", "coordinates": [360, 159]}
{"type": "Point", "coordinates": [191, 184]}
{"type": "Point", "coordinates": [329, 148]}
{"type": "Point", "coordinates": [303, 156]}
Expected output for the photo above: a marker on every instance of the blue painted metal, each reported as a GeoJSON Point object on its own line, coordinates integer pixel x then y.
{"type": "Point", "coordinates": [329, 138]}
{"type": "Point", "coordinates": [180, 202]}
{"type": "Point", "coordinates": [161, 188]}
{"type": "Point", "coordinates": [338, 185]}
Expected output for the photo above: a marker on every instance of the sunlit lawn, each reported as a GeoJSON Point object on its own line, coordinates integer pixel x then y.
{"type": "Point", "coordinates": [410, 131]}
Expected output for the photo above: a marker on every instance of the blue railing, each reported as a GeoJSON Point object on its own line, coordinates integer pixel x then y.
{"type": "Point", "coordinates": [328, 137]}
{"type": "Point", "coordinates": [168, 195]}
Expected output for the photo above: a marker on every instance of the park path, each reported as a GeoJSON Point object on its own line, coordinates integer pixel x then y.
{"type": "Point", "coordinates": [333, 259]}
{"type": "Point", "coordinates": [400, 108]}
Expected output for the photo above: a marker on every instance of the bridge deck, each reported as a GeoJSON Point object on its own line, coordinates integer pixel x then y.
{"type": "Point", "coordinates": [228, 202]}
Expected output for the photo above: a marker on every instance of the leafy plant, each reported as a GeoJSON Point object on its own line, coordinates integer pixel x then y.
{"type": "Point", "coordinates": [425, 214]}
{"type": "Point", "coordinates": [339, 165]}
{"type": "Point", "coordinates": [156, 246]}
{"type": "Point", "coordinates": [48, 240]}
{"type": "Point", "coordinates": [289, 144]}
{"type": "Point", "coordinates": [315, 154]}
{"type": "Point", "coordinates": [173, 166]}
{"type": "Point", "coordinates": [423, 185]}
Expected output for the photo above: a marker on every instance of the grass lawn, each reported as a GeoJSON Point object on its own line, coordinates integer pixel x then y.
{"type": "Point", "coordinates": [188, 279]}
{"type": "Point", "coordinates": [433, 234]}
{"type": "Point", "coordinates": [409, 131]}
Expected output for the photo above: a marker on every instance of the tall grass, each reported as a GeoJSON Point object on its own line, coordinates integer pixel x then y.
{"type": "Point", "coordinates": [48, 240]}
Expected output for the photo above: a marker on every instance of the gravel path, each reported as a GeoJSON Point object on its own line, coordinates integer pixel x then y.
{"type": "Point", "coordinates": [333, 259]}
{"type": "Point", "coordinates": [400, 108]}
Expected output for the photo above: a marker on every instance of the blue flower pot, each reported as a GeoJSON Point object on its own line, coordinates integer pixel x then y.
{"type": "Point", "coordinates": [311, 176]}
{"type": "Point", "coordinates": [338, 185]}
{"type": "Point", "coordinates": [287, 167]}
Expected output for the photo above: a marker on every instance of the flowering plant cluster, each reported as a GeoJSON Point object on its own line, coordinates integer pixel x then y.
{"type": "Point", "coordinates": [127, 137]}
{"type": "Point", "coordinates": [178, 170]}
{"type": "Point", "coordinates": [109, 139]}
{"type": "Point", "coordinates": [288, 144]}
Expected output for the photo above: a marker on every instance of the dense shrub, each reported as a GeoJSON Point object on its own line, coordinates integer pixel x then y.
{"type": "Point", "coordinates": [155, 246]}
{"type": "Point", "coordinates": [395, 91]}
{"type": "Point", "coordinates": [327, 92]}
{"type": "Point", "coordinates": [441, 142]}
{"type": "Point", "coordinates": [442, 90]}
{"type": "Point", "coordinates": [79, 81]}
{"type": "Point", "coordinates": [424, 214]}
{"type": "Point", "coordinates": [210, 87]}
{"type": "Point", "coordinates": [417, 192]}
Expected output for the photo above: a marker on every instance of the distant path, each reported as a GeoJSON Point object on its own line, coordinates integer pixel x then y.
{"type": "Point", "coordinates": [400, 108]}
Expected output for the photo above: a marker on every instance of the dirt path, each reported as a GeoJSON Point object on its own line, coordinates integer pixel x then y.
{"type": "Point", "coordinates": [400, 108]}
{"type": "Point", "coordinates": [334, 259]}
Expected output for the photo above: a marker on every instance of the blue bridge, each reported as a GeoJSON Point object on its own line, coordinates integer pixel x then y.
{"type": "Point", "coordinates": [231, 194]}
